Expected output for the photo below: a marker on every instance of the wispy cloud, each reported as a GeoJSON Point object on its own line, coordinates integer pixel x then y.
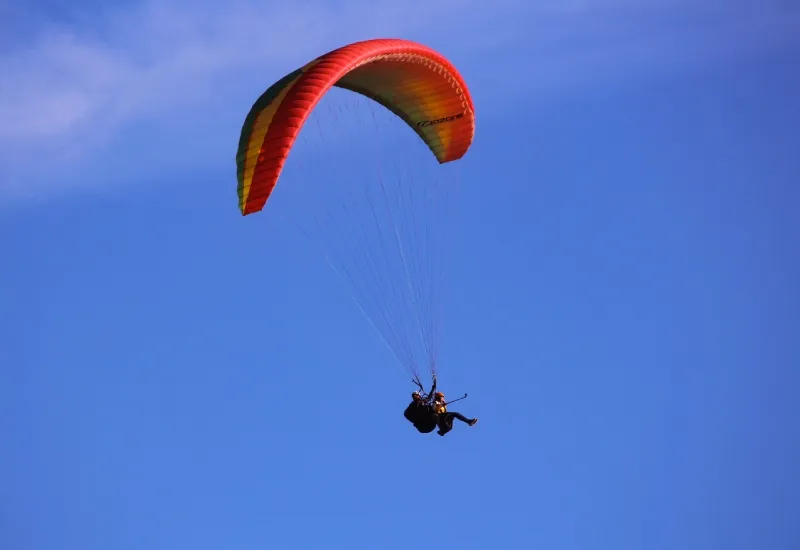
{"type": "Point", "coordinates": [186, 71]}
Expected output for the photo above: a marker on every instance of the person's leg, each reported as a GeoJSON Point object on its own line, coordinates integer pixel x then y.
{"type": "Point", "coordinates": [445, 423]}
{"type": "Point", "coordinates": [460, 416]}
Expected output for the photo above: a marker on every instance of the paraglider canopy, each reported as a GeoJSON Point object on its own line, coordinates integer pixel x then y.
{"type": "Point", "coordinates": [413, 81]}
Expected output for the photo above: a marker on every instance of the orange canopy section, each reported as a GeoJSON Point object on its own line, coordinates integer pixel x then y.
{"type": "Point", "coordinates": [413, 81]}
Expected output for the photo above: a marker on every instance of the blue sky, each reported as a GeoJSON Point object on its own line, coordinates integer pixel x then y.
{"type": "Point", "coordinates": [621, 305]}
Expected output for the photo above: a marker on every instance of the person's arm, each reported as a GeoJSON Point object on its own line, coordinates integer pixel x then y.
{"type": "Point", "coordinates": [433, 388]}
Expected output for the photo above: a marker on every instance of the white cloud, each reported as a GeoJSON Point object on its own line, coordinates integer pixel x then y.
{"type": "Point", "coordinates": [77, 88]}
{"type": "Point", "coordinates": [160, 56]}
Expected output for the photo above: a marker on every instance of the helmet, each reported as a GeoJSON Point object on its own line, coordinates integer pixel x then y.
{"type": "Point", "coordinates": [439, 395]}
{"type": "Point", "coordinates": [415, 395]}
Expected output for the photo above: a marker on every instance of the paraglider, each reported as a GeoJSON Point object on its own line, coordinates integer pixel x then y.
{"type": "Point", "coordinates": [424, 90]}
{"type": "Point", "coordinates": [445, 417]}
{"type": "Point", "coordinates": [429, 411]}
{"type": "Point", "coordinates": [420, 413]}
